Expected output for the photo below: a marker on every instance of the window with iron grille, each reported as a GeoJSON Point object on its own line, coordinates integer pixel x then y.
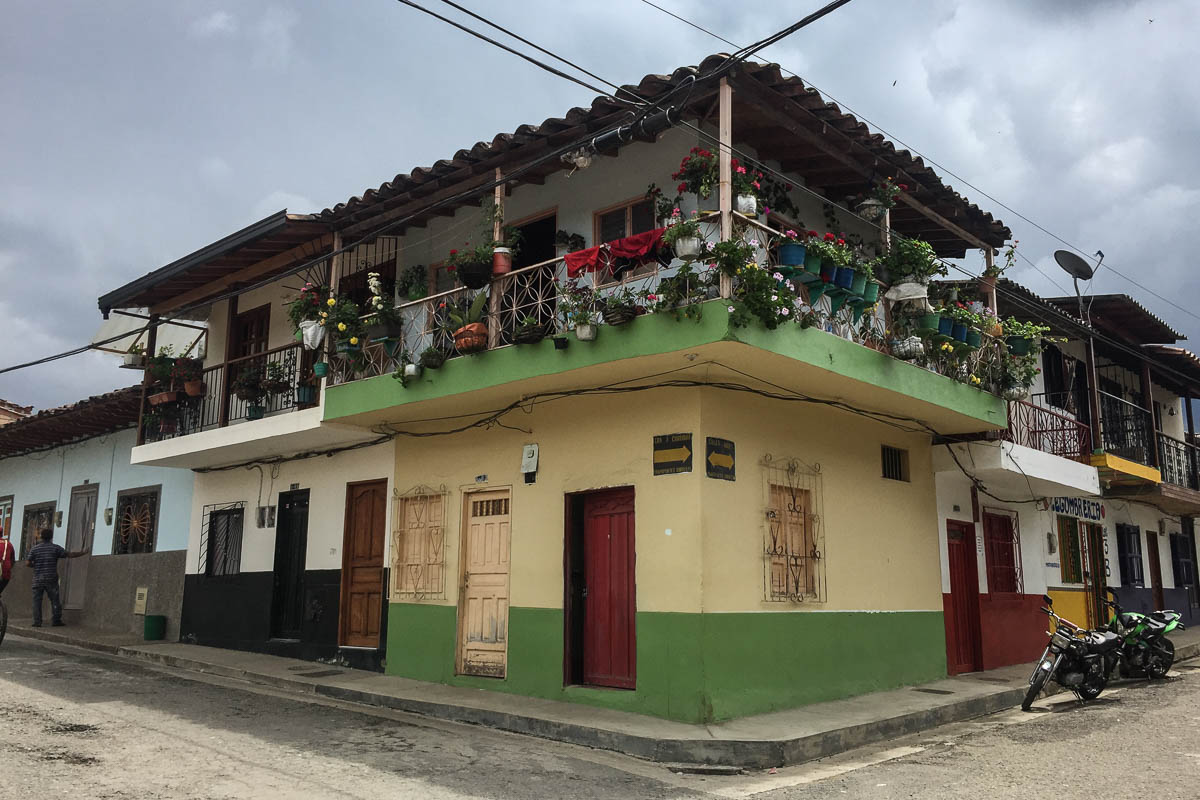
{"type": "Point", "coordinates": [6, 512]}
{"type": "Point", "coordinates": [221, 539]}
{"type": "Point", "coordinates": [895, 463]}
{"type": "Point", "coordinates": [1129, 555]}
{"type": "Point", "coordinates": [1002, 548]}
{"type": "Point", "coordinates": [136, 525]}
{"type": "Point", "coordinates": [794, 540]}
{"type": "Point", "coordinates": [1183, 562]}
{"type": "Point", "coordinates": [1069, 554]}
{"type": "Point", "coordinates": [418, 545]}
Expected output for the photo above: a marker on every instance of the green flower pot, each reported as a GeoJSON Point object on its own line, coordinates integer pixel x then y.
{"type": "Point", "coordinates": [1019, 345]}
{"type": "Point", "coordinates": [812, 262]}
{"type": "Point", "coordinates": [859, 285]}
{"type": "Point", "coordinates": [871, 295]}
{"type": "Point", "coordinates": [974, 338]}
{"type": "Point", "coordinates": [929, 322]}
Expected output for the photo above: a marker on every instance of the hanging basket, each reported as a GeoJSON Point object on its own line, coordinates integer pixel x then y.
{"type": "Point", "coordinates": [162, 398]}
{"type": "Point", "coordinates": [1015, 393]}
{"type": "Point", "coordinates": [471, 338]}
{"type": "Point", "coordinates": [194, 388]}
{"type": "Point", "coordinates": [412, 371]}
{"type": "Point", "coordinates": [859, 286]}
{"type": "Point", "coordinates": [619, 315]}
{"type": "Point", "coordinates": [792, 254]}
{"type": "Point", "coordinates": [475, 275]}
{"type": "Point", "coordinates": [871, 209]}
{"type": "Point", "coordinates": [312, 333]}
{"type": "Point", "coordinates": [1019, 345]}
{"type": "Point", "coordinates": [871, 292]}
{"type": "Point", "coordinates": [529, 334]}
{"type": "Point", "coordinates": [433, 359]}
{"type": "Point", "coordinates": [747, 204]}
{"type": "Point", "coordinates": [909, 349]}
{"type": "Point", "coordinates": [320, 369]}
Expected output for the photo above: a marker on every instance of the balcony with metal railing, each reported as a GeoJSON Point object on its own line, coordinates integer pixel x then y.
{"type": "Point", "coordinates": [1037, 424]}
{"type": "Point", "coordinates": [1178, 462]}
{"type": "Point", "coordinates": [1126, 429]}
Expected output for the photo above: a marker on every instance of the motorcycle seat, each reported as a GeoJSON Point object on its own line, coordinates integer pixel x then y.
{"type": "Point", "coordinates": [1153, 626]}
{"type": "Point", "coordinates": [1103, 641]}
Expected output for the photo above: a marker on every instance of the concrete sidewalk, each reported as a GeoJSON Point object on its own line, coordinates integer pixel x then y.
{"type": "Point", "coordinates": [766, 740]}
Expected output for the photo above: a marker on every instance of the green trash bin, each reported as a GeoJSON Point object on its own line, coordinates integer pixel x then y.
{"type": "Point", "coordinates": [155, 627]}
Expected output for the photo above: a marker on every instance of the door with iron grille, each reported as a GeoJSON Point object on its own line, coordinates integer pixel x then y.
{"type": "Point", "coordinates": [291, 542]}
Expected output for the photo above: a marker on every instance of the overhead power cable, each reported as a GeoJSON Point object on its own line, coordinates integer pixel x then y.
{"type": "Point", "coordinates": [947, 171]}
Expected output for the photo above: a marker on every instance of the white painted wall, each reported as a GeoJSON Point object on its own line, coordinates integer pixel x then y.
{"type": "Point", "coordinates": [104, 460]}
{"type": "Point", "coordinates": [326, 478]}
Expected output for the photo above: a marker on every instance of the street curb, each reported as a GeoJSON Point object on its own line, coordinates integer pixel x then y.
{"type": "Point", "coordinates": [751, 754]}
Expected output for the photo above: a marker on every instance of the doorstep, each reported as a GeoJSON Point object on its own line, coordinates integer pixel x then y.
{"type": "Point", "coordinates": [764, 740]}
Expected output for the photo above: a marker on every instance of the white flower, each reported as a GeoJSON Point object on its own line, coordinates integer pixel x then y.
{"type": "Point", "coordinates": [791, 286]}
{"type": "Point", "coordinates": [777, 276]}
{"type": "Point", "coordinates": [784, 311]}
{"type": "Point", "coordinates": [754, 242]}
{"type": "Point", "coordinates": [774, 298]}
{"type": "Point", "coordinates": [730, 309]}
{"type": "Point", "coordinates": [711, 246]}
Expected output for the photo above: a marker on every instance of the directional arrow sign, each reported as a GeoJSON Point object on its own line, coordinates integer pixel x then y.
{"type": "Point", "coordinates": [672, 453]}
{"type": "Point", "coordinates": [718, 458]}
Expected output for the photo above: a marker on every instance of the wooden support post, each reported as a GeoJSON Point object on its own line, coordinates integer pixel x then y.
{"type": "Point", "coordinates": [725, 155]}
{"type": "Point", "coordinates": [1148, 399]}
{"type": "Point", "coordinates": [226, 376]}
{"type": "Point", "coordinates": [495, 287]}
{"type": "Point", "coordinates": [1093, 394]}
{"type": "Point", "coordinates": [988, 287]}
{"type": "Point", "coordinates": [1190, 438]}
{"type": "Point", "coordinates": [151, 347]}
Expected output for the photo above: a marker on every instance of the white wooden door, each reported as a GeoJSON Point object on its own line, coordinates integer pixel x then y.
{"type": "Point", "coordinates": [483, 598]}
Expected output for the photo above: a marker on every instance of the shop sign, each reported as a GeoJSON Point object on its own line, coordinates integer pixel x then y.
{"type": "Point", "coordinates": [719, 458]}
{"type": "Point", "coordinates": [672, 453]}
{"type": "Point", "coordinates": [1092, 510]}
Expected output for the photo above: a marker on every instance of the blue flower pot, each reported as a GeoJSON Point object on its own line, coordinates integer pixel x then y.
{"type": "Point", "coordinates": [791, 255]}
{"type": "Point", "coordinates": [945, 326]}
{"type": "Point", "coordinates": [844, 277]}
{"type": "Point", "coordinates": [960, 332]}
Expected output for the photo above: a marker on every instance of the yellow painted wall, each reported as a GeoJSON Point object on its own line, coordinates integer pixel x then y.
{"type": "Point", "coordinates": [880, 535]}
{"type": "Point", "coordinates": [585, 443]}
{"type": "Point", "coordinates": [1070, 604]}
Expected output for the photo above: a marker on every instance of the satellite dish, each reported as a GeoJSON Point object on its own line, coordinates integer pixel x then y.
{"type": "Point", "coordinates": [1073, 265]}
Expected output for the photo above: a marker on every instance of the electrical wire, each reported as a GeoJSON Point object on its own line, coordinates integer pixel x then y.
{"type": "Point", "coordinates": [944, 169]}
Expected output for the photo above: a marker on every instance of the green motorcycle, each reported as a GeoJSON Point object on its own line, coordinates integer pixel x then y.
{"type": "Point", "coordinates": [1145, 649]}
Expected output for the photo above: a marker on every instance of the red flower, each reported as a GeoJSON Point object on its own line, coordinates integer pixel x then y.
{"type": "Point", "coordinates": [441, 305]}
{"type": "Point", "coordinates": [453, 252]}
{"type": "Point", "coordinates": [829, 237]}
{"type": "Point", "coordinates": [686, 159]}
{"type": "Point", "coordinates": [733, 162]}
{"type": "Point", "coordinates": [651, 297]}
{"type": "Point", "coordinates": [450, 268]}
{"type": "Point", "coordinates": [694, 150]}
{"type": "Point", "coordinates": [705, 154]}
{"type": "Point", "coordinates": [682, 188]}
{"type": "Point", "coordinates": [812, 234]}
{"type": "Point", "coordinates": [903, 187]}
{"type": "Point", "coordinates": [841, 241]}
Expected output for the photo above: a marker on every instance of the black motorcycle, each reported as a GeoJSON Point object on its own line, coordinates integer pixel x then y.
{"type": "Point", "coordinates": [1076, 659]}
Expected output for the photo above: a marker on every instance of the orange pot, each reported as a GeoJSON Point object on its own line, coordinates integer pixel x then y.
{"type": "Point", "coordinates": [501, 261]}
{"type": "Point", "coordinates": [471, 338]}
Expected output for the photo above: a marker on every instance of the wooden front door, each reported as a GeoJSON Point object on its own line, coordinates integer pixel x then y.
{"type": "Point", "coordinates": [963, 648]}
{"type": "Point", "coordinates": [483, 595]}
{"type": "Point", "coordinates": [291, 547]}
{"type": "Point", "coordinates": [361, 614]}
{"type": "Point", "coordinates": [81, 525]}
{"type": "Point", "coordinates": [610, 604]}
{"type": "Point", "coordinates": [1155, 569]}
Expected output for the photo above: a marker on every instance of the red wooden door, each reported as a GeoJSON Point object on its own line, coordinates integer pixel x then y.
{"type": "Point", "coordinates": [609, 639]}
{"type": "Point", "coordinates": [362, 564]}
{"type": "Point", "coordinates": [1156, 585]}
{"type": "Point", "coordinates": [963, 650]}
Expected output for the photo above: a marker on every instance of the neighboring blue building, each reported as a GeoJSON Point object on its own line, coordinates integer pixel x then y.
{"type": "Point", "coordinates": [68, 468]}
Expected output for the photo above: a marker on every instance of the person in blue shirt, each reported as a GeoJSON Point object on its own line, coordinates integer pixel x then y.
{"type": "Point", "coordinates": [43, 558]}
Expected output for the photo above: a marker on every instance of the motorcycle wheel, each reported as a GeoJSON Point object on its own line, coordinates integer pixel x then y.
{"type": "Point", "coordinates": [1162, 656]}
{"type": "Point", "coordinates": [1090, 690]}
{"type": "Point", "coordinates": [1041, 674]}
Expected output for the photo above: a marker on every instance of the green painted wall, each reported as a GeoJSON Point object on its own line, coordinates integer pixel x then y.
{"type": "Point", "coordinates": [694, 667]}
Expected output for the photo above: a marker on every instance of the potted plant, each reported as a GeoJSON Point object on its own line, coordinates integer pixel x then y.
{"type": "Point", "coordinates": [413, 282]}
{"type": "Point", "coordinates": [732, 255]}
{"type": "Point", "coordinates": [385, 322]}
{"type": "Point", "coordinates": [866, 269]}
{"type": "Point", "coordinates": [746, 187]}
{"type": "Point", "coordinates": [472, 265]}
{"type": "Point", "coordinates": [320, 369]}
{"type": "Point", "coordinates": [698, 173]}
{"type": "Point", "coordinates": [306, 390]}
{"type": "Point", "coordinates": [530, 330]}
{"type": "Point", "coordinates": [881, 199]}
{"type": "Point", "coordinates": [620, 306]}
{"type": "Point", "coordinates": [307, 312]}
{"type": "Point", "coordinates": [577, 302]}
{"type": "Point", "coordinates": [257, 384]}
{"type": "Point", "coordinates": [683, 235]}
{"type": "Point", "coordinates": [987, 281]}
{"type": "Point", "coordinates": [161, 370]}
{"type": "Point", "coordinates": [343, 319]}
{"type": "Point", "coordinates": [135, 357]}
{"type": "Point", "coordinates": [834, 258]}
{"type": "Point", "coordinates": [432, 358]}
{"type": "Point", "coordinates": [189, 372]}
{"type": "Point", "coordinates": [913, 261]}
{"type": "Point", "coordinates": [792, 250]}
{"type": "Point", "coordinates": [504, 250]}
{"type": "Point", "coordinates": [465, 323]}
{"type": "Point", "coordinates": [569, 242]}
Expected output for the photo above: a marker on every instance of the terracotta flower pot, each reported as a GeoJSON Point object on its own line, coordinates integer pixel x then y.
{"type": "Point", "coordinates": [471, 338]}
{"type": "Point", "coordinates": [161, 398]}
{"type": "Point", "coordinates": [194, 388]}
{"type": "Point", "coordinates": [502, 259]}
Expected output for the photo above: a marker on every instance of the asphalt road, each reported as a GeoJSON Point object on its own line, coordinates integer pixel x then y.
{"type": "Point", "coordinates": [80, 725]}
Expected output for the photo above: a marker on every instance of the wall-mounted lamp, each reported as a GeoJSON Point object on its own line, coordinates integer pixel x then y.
{"type": "Point", "coordinates": [108, 516]}
{"type": "Point", "coordinates": [58, 519]}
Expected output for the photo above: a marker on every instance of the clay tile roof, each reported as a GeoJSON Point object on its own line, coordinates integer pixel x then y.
{"type": "Point", "coordinates": [53, 427]}
{"type": "Point", "coordinates": [1124, 314]}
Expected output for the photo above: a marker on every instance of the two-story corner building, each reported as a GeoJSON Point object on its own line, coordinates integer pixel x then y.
{"type": "Point", "coordinates": [682, 516]}
{"type": "Point", "coordinates": [1093, 485]}
{"type": "Point", "coordinates": [69, 469]}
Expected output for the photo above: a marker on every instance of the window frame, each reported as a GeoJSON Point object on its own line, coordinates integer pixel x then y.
{"type": "Point", "coordinates": [7, 507]}
{"type": "Point", "coordinates": [1130, 534]}
{"type": "Point", "coordinates": [627, 205]}
{"type": "Point", "coordinates": [1070, 550]}
{"type": "Point", "coordinates": [994, 545]}
{"type": "Point", "coordinates": [156, 490]}
{"type": "Point", "coordinates": [25, 546]}
{"type": "Point", "coordinates": [902, 460]}
{"type": "Point", "coordinates": [207, 540]}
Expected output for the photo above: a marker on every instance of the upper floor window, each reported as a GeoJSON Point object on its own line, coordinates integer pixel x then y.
{"type": "Point", "coordinates": [251, 332]}
{"type": "Point", "coordinates": [626, 219]}
{"type": "Point", "coordinates": [136, 524]}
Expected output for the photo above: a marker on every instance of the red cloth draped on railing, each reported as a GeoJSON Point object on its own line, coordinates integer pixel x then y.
{"type": "Point", "coordinates": [637, 249]}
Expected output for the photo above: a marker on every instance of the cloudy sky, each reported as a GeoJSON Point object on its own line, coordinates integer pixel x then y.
{"type": "Point", "coordinates": [136, 132]}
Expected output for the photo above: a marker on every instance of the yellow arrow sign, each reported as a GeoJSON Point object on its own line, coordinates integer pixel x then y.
{"type": "Point", "coordinates": [721, 460]}
{"type": "Point", "coordinates": [675, 454]}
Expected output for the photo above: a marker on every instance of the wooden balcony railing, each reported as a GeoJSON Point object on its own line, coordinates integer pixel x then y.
{"type": "Point", "coordinates": [219, 407]}
{"type": "Point", "coordinates": [1034, 424]}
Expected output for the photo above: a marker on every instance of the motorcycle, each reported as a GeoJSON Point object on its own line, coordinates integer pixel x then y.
{"type": "Point", "coordinates": [1145, 649]}
{"type": "Point", "coordinates": [1076, 659]}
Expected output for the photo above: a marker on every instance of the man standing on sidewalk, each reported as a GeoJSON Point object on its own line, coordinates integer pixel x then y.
{"type": "Point", "coordinates": [43, 557]}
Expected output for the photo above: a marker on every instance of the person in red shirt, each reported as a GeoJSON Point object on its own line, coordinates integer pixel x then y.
{"type": "Point", "coordinates": [6, 560]}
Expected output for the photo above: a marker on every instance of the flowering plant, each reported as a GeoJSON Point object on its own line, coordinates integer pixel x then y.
{"type": "Point", "coordinates": [622, 298]}
{"type": "Point", "coordinates": [381, 304]}
{"type": "Point", "coordinates": [682, 293]}
{"type": "Point", "coordinates": [308, 305]}
{"type": "Point", "coordinates": [763, 295]}
{"type": "Point", "coordinates": [732, 254]}
{"type": "Point", "coordinates": [576, 301]}
{"type": "Point", "coordinates": [887, 192]}
{"type": "Point", "coordinates": [698, 173]}
{"type": "Point", "coordinates": [343, 319]}
{"type": "Point", "coordinates": [680, 227]}
{"type": "Point", "coordinates": [470, 254]}
{"type": "Point", "coordinates": [831, 248]}
{"type": "Point", "coordinates": [745, 181]}
{"type": "Point", "coordinates": [663, 208]}
{"type": "Point", "coordinates": [461, 313]}
{"type": "Point", "coordinates": [914, 259]}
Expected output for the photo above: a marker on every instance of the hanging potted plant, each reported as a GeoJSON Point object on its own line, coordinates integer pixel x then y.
{"type": "Point", "coordinates": [343, 319]}
{"type": "Point", "coordinates": [698, 173]}
{"type": "Point", "coordinates": [247, 386]}
{"type": "Point", "coordinates": [306, 390]}
{"type": "Point", "coordinates": [746, 188]}
{"type": "Point", "coordinates": [1022, 338]}
{"type": "Point", "coordinates": [834, 258]}
{"type": "Point", "coordinates": [577, 302]}
{"type": "Point", "coordinates": [189, 372]}
{"type": "Point", "coordinates": [413, 282]}
{"type": "Point", "coordinates": [465, 323]}
{"type": "Point", "coordinates": [432, 358]}
{"type": "Point", "coordinates": [472, 266]}
{"type": "Point", "coordinates": [135, 357]}
{"type": "Point", "coordinates": [161, 370]}
{"type": "Point", "coordinates": [683, 236]}
{"type": "Point", "coordinates": [619, 307]}
{"type": "Point", "coordinates": [529, 331]}
{"type": "Point", "coordinates": [913, 261]}
{"type": "Point", "coordinates": [306, 313]}
{"type": "Point", "coordinates": [504, 251]}
{"type": "Point", "coordinates": [569, 242]}
{"type": "Point", "coordinates": [385, 322]}
{"type": "Point", "coordinates": [987, 281]}
{"type": "Point", "coordinates": [881, 200]}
